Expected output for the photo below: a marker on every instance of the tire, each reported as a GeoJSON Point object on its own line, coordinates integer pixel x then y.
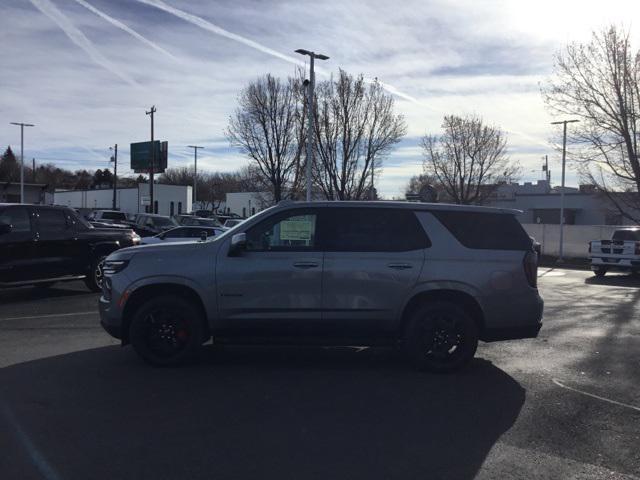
{"type": "Point", "coordinates": [433, 327]}
{"type": "Point", "coordinates": [167, 331]}
{"type": "Point", "coordinates": [600, 272]}
{"type": "Point", "coordinates": [93, 280]}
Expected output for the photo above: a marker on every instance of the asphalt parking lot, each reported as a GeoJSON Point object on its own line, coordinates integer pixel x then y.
{"type": "Point", "coordinates": [75, 405]}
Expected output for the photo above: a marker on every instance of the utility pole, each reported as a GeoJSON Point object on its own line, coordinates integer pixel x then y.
{"type": "Point", "coordinates": [310, 113]}
{"type": "Point", "coordinates": [373, 171]}
{"type": "Point", "coordinates": [33, 171]}
{"type": "Point", "coordinates": [114, 159]}
{"type": "Point", "coordinates": [564, 161]}
{"type": "Point", "coordinates": [153, 159]}
{"type": "Point", "coordinates": [195, 173]}
{"type": "Point", "coordinates": [22, 125]}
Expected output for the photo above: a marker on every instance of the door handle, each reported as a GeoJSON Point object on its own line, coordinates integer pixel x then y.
{"type": "Point", "coordinates": [305, 265]}
{"type": "Point", "coordinates": [400, 266]}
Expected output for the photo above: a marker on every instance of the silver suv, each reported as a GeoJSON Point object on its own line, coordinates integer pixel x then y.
{"type": "Point", "coordinates": [433, 279]}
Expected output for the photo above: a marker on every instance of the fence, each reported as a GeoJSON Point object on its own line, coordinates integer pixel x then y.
{"type": "Point", "coordinates": [576, 237]}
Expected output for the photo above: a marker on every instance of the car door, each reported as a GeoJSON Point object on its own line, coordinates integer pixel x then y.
{"type": "Point", "coordinates": [55, 245]}
{"type": "Point", "coordinates": [373, 257]}
{"type": "Point", "coordinates": [273, 286]}
{"type": "Point", "coordinates": [18, 262]}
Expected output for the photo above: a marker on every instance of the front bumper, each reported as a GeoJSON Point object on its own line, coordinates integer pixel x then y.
{"type": "Point", "coordinates": [110, 320]}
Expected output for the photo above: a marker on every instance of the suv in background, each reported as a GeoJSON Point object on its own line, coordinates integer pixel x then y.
{"type": "Point", "coordinates": [108, 216]}
{"type": "Point", "coordinates": [433, 278]}
{"type": "Point", "coordinates": [149, 224]}
{"type": "Point", "coordinates": [42, 245]}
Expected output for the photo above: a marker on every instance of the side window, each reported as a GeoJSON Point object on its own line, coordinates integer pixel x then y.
{"type": "Point", "coordinates": [177, 233]}
{"type": "Point", "coordinates": [51, 220]}
{"type": "Point", "coordinates": [18, 218]}
{"type": "Point", "coordinates": [373, 230]}
{"type": "Point", "coordinates": [150, 222]}
{"type": "Point", "coordinates": [289, 231]}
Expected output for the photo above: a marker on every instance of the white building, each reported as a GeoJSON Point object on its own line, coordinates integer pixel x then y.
{"type": "Point", "coordinates": [168, 199]}
{"type": "Point", "coordinates": [246, 204]}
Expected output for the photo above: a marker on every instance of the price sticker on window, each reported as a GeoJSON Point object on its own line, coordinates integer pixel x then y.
{"type": "Point", "coordinates": [296, 229]}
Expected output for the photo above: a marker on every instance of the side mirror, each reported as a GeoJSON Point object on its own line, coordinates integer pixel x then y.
{"type": "Point", "coordinates": [238, 243]}
{"type": "Point", "coordinates": [203, 236]}
{"type": "Point", "coordinates": [5, 228]}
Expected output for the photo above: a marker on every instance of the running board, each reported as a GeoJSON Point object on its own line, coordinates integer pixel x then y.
{"type": "Point", "coordinates": [43, 280]}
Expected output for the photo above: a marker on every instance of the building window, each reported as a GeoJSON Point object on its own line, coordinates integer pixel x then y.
{"type": "Point", "coordinates": [179, 208]}
{"type": "Point", "coordinates": [155, 206]}
{"type": "Point", "coordinates": [171, 206]}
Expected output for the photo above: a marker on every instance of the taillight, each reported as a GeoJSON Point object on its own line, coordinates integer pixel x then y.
{"type": "Point", "coordinates": [530, 264]}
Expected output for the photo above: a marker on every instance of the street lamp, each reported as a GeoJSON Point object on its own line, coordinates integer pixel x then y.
{"type": "Point", "coordinates": [564, 158]}
{"type": "Point", "coordinates": [22, 125]}
{"type": "Point", "coordinates": [310, 115]}
{"type": "Point", "coordinates": [195, 173]}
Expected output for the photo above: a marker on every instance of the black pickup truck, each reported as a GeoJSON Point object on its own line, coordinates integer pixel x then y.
{"type": "Point", "coordinates": [41, 245]}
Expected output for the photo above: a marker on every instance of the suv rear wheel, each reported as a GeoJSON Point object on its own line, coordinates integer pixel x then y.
{"type": "Point", "coordinates": [167, 331]}
{"type": "Point", "coordinates": [440, 337]}
{"type": "Point", "coordinates": [599, 272]}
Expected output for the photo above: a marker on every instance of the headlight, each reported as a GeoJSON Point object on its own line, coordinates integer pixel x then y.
{"type": "Point", "coordinates": [112, 267]}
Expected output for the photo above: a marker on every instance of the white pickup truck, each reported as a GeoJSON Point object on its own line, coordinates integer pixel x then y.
{"type": "Point", "coordinates": [622, 252]}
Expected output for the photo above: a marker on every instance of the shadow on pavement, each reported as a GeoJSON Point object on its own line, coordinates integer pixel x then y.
{"type": "Point", "coordinates": [613, 280]}
{"type": "Point", "coordinates": [254, 413]}
{"type": "Point", "coordinates": [25, 294]}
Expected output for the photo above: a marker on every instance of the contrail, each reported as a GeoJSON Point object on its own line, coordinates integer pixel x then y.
{"type": "Point", "coordinates": [210, 27]}
{"type": "Point", "coordinates": [206, 25]}
{"type": "Point", "coordinates": [77, 37]}
{"type": "Point", "coordinates": [122, 26]}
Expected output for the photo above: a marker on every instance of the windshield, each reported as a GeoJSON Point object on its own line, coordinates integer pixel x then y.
{"type": "Point", "coordinates": [626, 235]}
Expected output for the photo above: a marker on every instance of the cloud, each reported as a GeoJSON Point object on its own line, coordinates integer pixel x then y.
{"type": "Point", "coordinates": [77, 37]}
{"type": "Point", "coordinates": [125, 28]}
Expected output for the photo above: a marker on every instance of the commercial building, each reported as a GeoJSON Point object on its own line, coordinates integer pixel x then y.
{"type": "Point", "coordinates": [33, 193]}
{"type": "Point", "coordinates": [541, 204]}
{"type": "Point", "coordinates": [168, 199]}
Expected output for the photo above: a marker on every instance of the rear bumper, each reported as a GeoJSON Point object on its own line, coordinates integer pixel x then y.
{"type": "Point", "coordinates": [614, 263]}
{"type": "Point", "coordinates": [529, 321]}
{"type": "Point", "coordinates": [511, 333]}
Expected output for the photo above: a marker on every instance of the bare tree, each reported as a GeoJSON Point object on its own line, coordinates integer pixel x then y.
{"type": "Point", "coordinates": [599, 84]}
{"type": "Point", "coordinates": [468, 161]}
{"type": "Point", "coordinates": [266, 127]}
{"type": "Point", "coordinates": [355, 129]}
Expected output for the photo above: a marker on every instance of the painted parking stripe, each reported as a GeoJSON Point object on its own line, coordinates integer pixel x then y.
{"type": "Point", "coordinates": [560, 384]}
{"type": "Point", "coordinates": [53, 315]}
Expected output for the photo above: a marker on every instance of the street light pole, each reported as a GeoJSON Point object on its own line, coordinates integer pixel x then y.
{"type": "Point", "coordinates": [22, 125]}
{"type": "Point", "coordinates": [153, 159]}
{"type": "Point", "coordinates": [195, 173]}
{"type": "Point", "coordinates": [310, 113]}
{"type": "Point", "coordinates": [114, 159]}
{"type": "Point", "coordinates": [564, 159]}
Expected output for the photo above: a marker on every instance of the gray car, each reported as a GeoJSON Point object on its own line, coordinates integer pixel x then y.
{"type": "Point", "coordinates": [434, 279]}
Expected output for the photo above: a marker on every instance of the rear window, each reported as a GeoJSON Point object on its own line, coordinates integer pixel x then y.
{"type": "Point", "coordinates": [486, 231]}
{"type": "Point", "coordinates": [626, 235]}
{"type": "Point", "coordinates": [114, 216]}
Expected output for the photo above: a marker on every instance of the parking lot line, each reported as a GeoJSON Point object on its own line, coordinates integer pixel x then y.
{"type": "Point", "coordinates": [53, 315]}
{"type": "Point", "coordinates": [633, 407]}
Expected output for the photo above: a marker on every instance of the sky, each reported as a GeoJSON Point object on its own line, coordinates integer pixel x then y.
{"type": "Point", "coordinates": [85, 71]}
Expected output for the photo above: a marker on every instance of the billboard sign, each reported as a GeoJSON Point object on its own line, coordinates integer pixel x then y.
{"type": "Point", "coordinates": [141, 156]}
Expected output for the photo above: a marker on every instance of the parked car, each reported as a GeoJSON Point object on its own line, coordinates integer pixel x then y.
{"type": "Point", "coordinates": [203, 213]}
{"type": "Point", "coordinates": [183, 234]}
{"type": "Point", "coordinates": [149, 224]}
{"type": "Point", "coordinates": [232, 222]}
{"type": "Point", "coordinates": [621, 252]}
{"type": "Point", "coordinates": [190, 220]}
{"type": "Point", "coordinates": [108, 216]}
{"type": "Point", "coordinates": [42, 245]}
{"type": "Point", "coordinates": [434, 279]}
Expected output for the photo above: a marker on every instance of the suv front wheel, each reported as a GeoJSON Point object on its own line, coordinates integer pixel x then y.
{"type": "Point", "coordinates": [440, 337]}
{"type": "Point", "coordinates": [167, 331]}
